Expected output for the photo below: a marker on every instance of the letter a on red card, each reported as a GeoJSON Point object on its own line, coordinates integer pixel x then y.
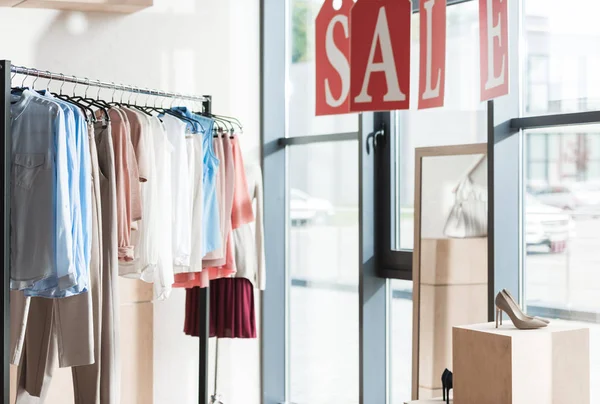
{"type": "Point", "coordinates": [493, 45]}
{"type": "Point", "coordinates": [380, 55]}
{"type": "Point", "coordinates": [332, 62]}
{"type": "Point", "coordinates": [432, 66]}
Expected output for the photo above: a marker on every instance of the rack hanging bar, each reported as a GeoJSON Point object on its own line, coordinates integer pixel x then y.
{"type": "Point", "coordinates": [97, 83]}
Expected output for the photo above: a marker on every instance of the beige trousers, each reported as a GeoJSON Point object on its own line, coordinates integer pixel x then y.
{"type": "Point", "coordinates": [95, 380]}
{"type": "Point", "coordinates": [100, 383]}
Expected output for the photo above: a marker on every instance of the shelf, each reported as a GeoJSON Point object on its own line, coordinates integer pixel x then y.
{"type": "Point", "coordinates": [111, 6]}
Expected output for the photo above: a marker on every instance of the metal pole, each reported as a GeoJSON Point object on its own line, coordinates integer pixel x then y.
{"type": "Point", "coordinates": [97, 83]}
{"type": "Point", "coordinates": [204, 313]}
{"type": "Point", "coordinates": [5, 178]}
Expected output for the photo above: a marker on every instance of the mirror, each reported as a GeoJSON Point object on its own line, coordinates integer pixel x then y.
{"type": "Point", "coordinates": [450, 265]}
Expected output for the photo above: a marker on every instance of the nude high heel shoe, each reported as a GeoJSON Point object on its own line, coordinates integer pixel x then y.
{"type": "Point", "coordinates": [528, 316]}
{"type": "Point", "coordinates": [519, 319]}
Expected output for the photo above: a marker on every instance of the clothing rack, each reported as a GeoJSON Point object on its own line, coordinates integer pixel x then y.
{"type": "Point", "coordinates": [6, 70]}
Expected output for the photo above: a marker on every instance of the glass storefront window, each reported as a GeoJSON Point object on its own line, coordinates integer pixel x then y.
{"type": "Point", "coordinates": [323, 265]}
{"type": "Point", "coordinates": [561, 219]}
{"type": "Point", "coordinates": [562, 56]}
{"type": "Point", "coordinates": [301, 76]}
{"type": "Point", "coordinates": [400, 329]}
{"type": "Point", "coordinates": [462, 119]}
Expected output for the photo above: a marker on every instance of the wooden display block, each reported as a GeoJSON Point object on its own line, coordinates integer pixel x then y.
{"type": "Point", "coordinates": [453, 261]}
{"type": "Point", "coordinates": [443, 307]}
{"type": "Point", "coordinates": [453, 291]}
{"type": "Point", "coordinates": [550, 365]}
{"type": "Point", "coordinates": [113, 6]}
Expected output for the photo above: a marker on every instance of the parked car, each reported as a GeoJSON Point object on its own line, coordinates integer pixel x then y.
{"type": "Point", "coordinates": [547, 226]}
{"type": "Point", "coordinates": [305, 209]}
{"type": "Point", "coordinates": [588, 197]}
{"type": "Point", "coordinates": [559, 196]}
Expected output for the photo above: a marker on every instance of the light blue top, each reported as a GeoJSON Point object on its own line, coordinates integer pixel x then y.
{"type": "Point", "coordinates": [79, 186]}
{"type": "Point", "coordinates": [211, 230]}
{"type": "Point", "coordinates": [41, 216]}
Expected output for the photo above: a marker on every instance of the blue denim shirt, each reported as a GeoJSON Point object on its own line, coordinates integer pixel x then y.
{"type": "Point", "coordinates": [79, 165]}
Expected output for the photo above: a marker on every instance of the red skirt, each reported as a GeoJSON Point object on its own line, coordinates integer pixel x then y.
{"type": "Point", "coordinates": [232, 313]}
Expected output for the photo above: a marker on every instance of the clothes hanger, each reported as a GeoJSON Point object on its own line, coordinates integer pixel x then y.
{"type": "Point", "coordinates": [181, 116]}
{"type": "Point", "coordinates": [112, 102]}
{"type": "Point", "coordinates": [232, 120]}
{"type": "Point", "coordinates": [226, 119]}
{"type": "Point", "coordinates": [11, 80]}
{"type": "Point", "coordinates": [154, 107]}
{"type": "Point", "coordinates": [18, 90]}
{"type": "Point", "coordinates": [92, 102]}
{"type": "Point", "coordinates": [141, 109]}
{"type": "Point", "coordinates": [87, 111]}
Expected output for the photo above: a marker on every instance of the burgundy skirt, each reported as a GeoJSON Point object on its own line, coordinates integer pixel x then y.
{"type": "Point", "coordinates": [232, 313]}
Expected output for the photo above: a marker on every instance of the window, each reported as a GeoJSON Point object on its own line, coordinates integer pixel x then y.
{"type": "Point", "coordinates": [400, 357]}
{"type": "Point", "coordinates": [301, 76]}
{"type": "Point", "coordinates": [323, 267]}
{"type": "Point", "coordinates": [561, 176]}
{"type": "Point", "coordinates": [322, 230]}
{"type": "Point", "coordinates": [546, 184]}
{"type": "Point", "coordinates": [561, 63]}
{"type": "Point", "coordinates": [462, 120]}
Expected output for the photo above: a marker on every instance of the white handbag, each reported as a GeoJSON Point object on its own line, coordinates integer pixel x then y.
{"type": "Point", "coordinates": [468, 217]}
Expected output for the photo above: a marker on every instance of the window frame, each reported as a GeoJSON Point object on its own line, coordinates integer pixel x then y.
{"type": "Point", "coordinates": [392, 263]}
{"type": "Point", "coordinates": [378, 261]}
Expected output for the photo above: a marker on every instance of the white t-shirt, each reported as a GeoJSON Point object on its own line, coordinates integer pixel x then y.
{"type": "Point", "coordinates": [181, 191]}
{"type": "Point", "coordinates": [162, 222]}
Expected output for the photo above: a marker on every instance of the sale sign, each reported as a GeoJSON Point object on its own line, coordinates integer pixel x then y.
{"type": "Point", "coordinates": [332, 58]}
{"type": "Point", "coordinates": [493, 43]}
{"type": "Point", "coordinates": [432, 67]}
{"type": "Point", "coordinates": [380, 55]}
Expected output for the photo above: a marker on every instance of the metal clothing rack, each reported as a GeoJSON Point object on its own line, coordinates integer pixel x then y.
{"type": "Point", "coordinates": [6, 69]}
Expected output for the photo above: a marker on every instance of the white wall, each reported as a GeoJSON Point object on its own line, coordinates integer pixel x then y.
{"type": "Point", "coordinates": [191, 46]}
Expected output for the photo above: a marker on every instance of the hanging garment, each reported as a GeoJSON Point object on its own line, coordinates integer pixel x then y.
{"type": "Point", "coordinates": [211, 235]}
{"type": "Point", "coordinates": [135, 188]}
{"type": "Point", "coordinates": [37, 321]}
{"type": "Point", "coordinates": [226, 174]}
{"type": "Point", "coordinates": [241, 213]}
{"type": "Point", "coordinates": [80, 203]}
{"type": "Point", "coordinates": [249, 238]}
{"type": "Point", "coordinates": [41, 211]}
{"type": "Point", "coordinates": [163, 277]}
{"type": "Point", "coordinates": [181, 191]}
{"type": "Point", "coordinates": [99, 383]}
{"type": "Point", "coordinates": [221, 187]}
{"type": "Point", "coordinates": [110, 363]}
{"type": "Point", "coordinates": [123, 187]}
{"type": "Point", "coordinates": [68, 328]}
{"type": "Point", "coordinates": [232, 311]}
{"type": "Point", "coordinates": [144, 238]}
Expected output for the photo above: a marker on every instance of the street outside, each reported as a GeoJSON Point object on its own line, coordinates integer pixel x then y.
{"type": "Point", "coordinates": [324, 306]}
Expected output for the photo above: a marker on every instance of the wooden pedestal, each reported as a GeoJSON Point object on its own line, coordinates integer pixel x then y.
{"type": "Point", "coordinates": [509, 366]}
{"type": "Point", "coordinates": [453, 292]}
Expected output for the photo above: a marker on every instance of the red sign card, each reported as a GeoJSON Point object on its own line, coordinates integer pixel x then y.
{"type": "Point", "coordinates": [432, 67]}
{"type": "Point", "coordinates": [332, 58]}
{"type": "Point", "coordinates": [380, 55]}
{"type": "Point", "coordinates": [493, 44]}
